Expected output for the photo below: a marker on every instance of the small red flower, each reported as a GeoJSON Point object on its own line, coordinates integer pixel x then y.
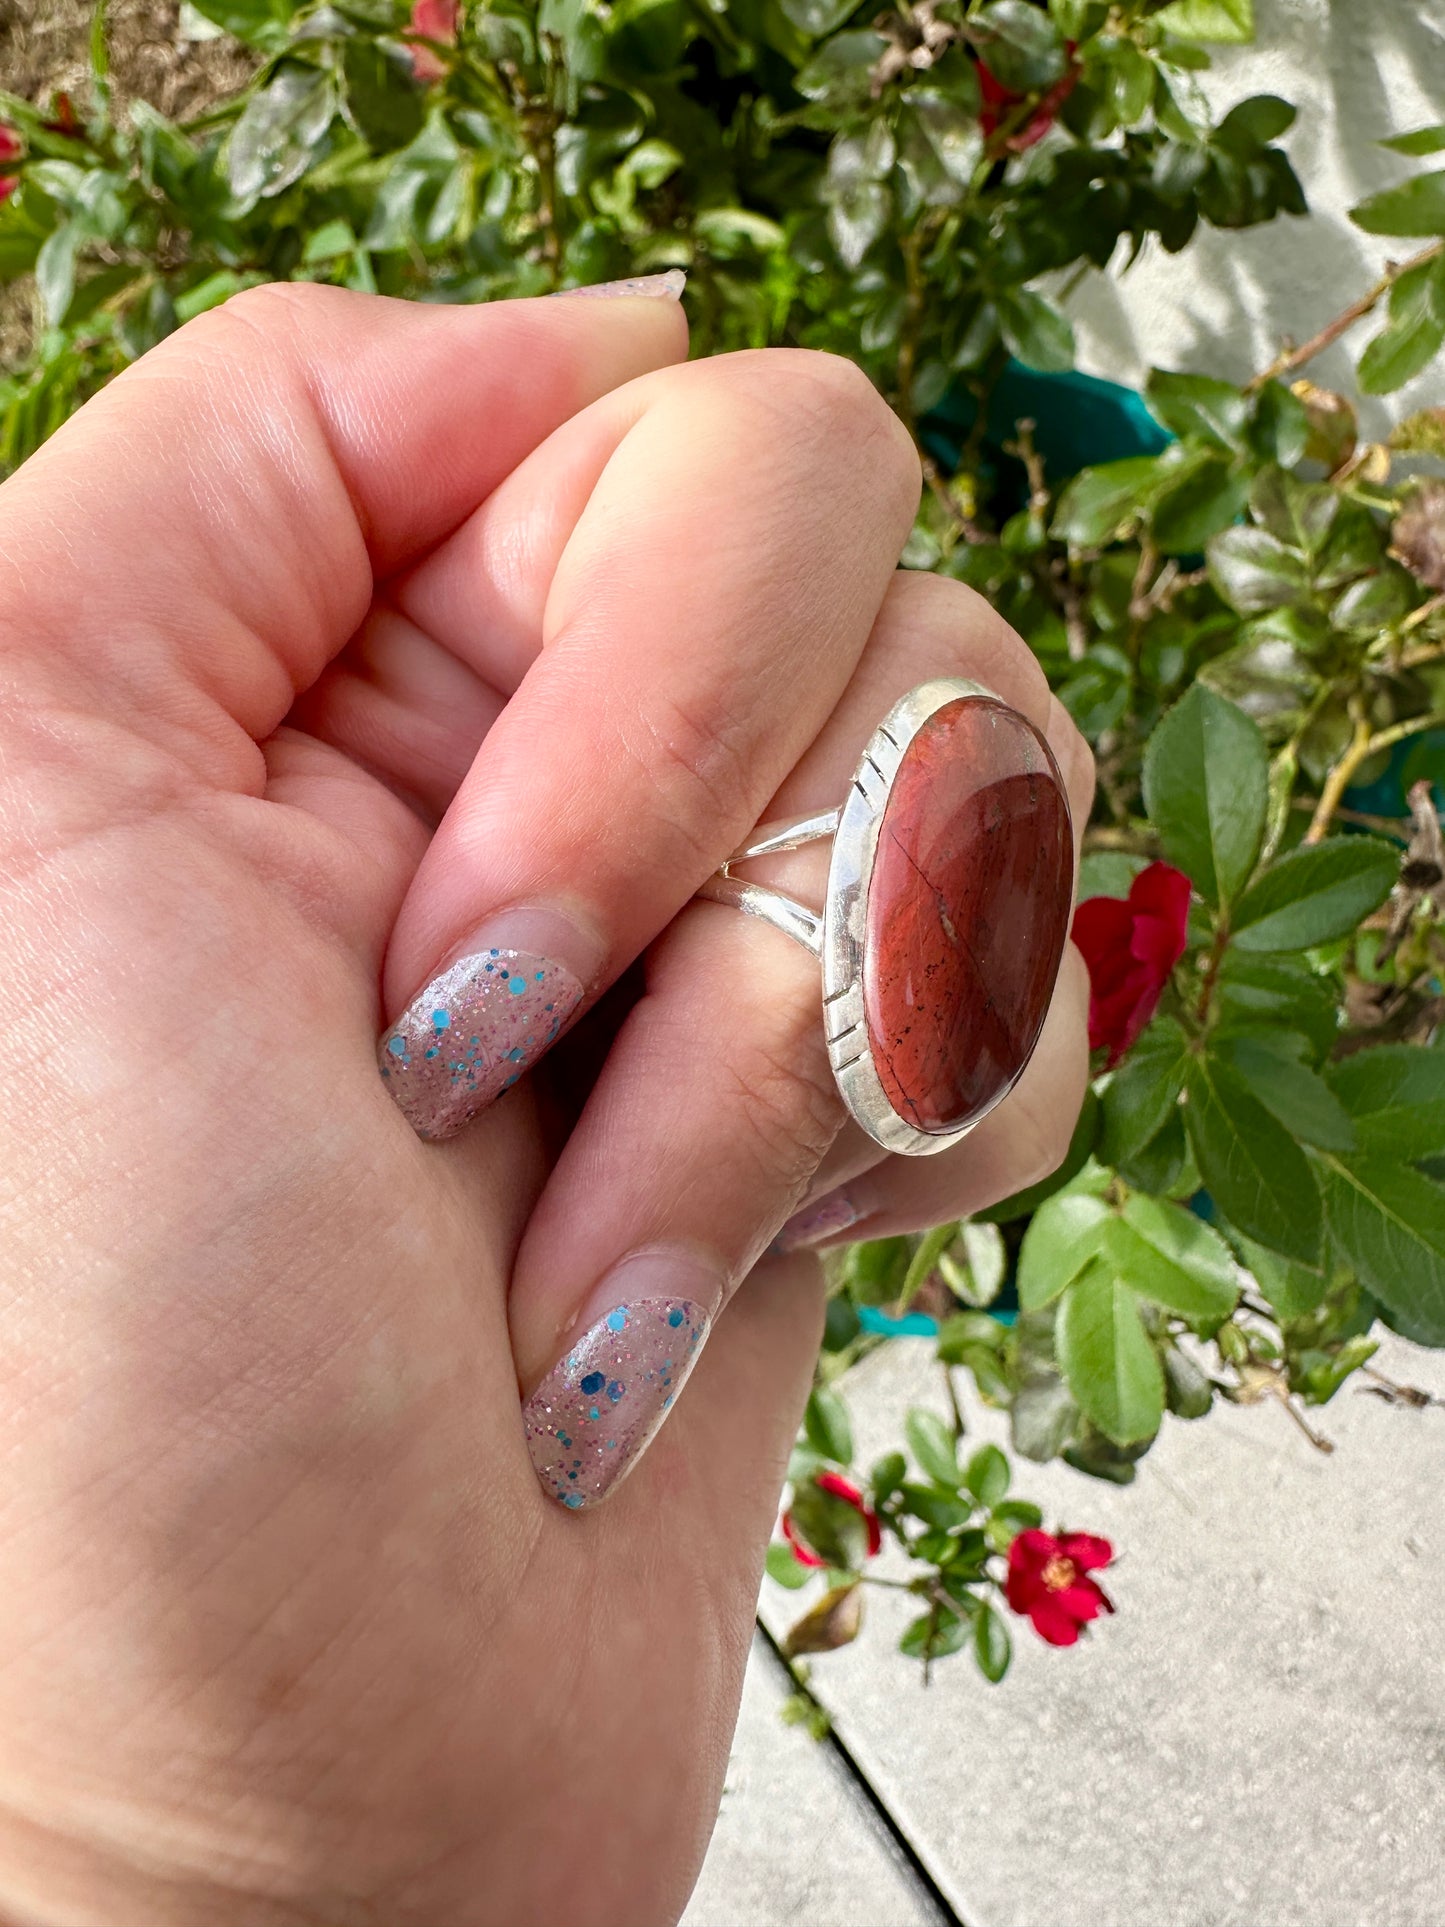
{"type": "Point", "coordinates": [1130, 945]}
{"type": "Point", "coordinates": [840, 1488]}
{"type": "Point", "coordinates": [63, 117]}
{"type": "Point", "coordinates": [433, 20]}
{"type": "Point", "coordinates": [999, 100]}
{"type": "Point", "coordinates": [1048, 1581]}
{"type": "Point", "coordinates": [11, 148]}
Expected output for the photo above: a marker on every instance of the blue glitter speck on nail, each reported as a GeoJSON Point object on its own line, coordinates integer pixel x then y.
{"type": "Point", "coordinates": [397, 1046]}
{"type": "Point", "coordinates": [441, 1019]}
{"type": "Point", "coordinates": [573, 1499]}
{"type": "Point", "coordinates": [617, 1320]}
{"type": "Point", "coordinates": [516, 985]}
{"type": "Point", "coordinates": [593, 1382]}
{"type": "Point", "coordinates": [674, 1317]}
{"type": "Point", "coordinates": [594, 1413]}
{"type": "Point", "coordinates": [616, 1390]}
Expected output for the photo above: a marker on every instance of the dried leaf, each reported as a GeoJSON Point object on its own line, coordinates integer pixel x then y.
{"type": "Point", "coordinates": [1418, 536]}
{"type": "Point", "coordinates": [835, 1621]}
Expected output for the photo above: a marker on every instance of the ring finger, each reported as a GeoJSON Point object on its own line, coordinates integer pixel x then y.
{"type": "Point", "coordinates": [717, 1102]}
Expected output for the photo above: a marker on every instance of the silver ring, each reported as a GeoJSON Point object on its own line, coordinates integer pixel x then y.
{"type": "Point", "coordinates": [946, 915]}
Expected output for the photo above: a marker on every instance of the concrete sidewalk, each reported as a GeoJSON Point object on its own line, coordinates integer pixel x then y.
{"type": "Point", "coordinates": [1256, 1740]}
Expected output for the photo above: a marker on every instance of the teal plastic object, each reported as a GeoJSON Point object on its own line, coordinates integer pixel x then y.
{"type": "Point", "coordinates": [1079, 420]}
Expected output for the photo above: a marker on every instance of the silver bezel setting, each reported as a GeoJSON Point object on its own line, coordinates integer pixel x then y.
{"type": "Point", "coordinates": [855, 846]}
{"type": "Point", "coordinates": [838, 934]}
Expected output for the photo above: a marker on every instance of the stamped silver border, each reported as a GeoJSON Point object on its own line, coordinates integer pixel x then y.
{"type": "Point", "coordinates": [845, 915]}
{"type": "Point", "coordinates": [838, 935]}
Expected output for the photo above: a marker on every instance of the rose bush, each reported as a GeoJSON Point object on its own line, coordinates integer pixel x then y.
{"type": "Point", "coordinates": [1246, 617]}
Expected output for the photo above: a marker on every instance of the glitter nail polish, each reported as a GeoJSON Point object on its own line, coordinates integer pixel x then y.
{"type": "Point", "coordinates": [601, 1405]}
{"type": "Point", "coordinates": [667, 286]}
{"type": "Point", "coordinates": [472, 1032]}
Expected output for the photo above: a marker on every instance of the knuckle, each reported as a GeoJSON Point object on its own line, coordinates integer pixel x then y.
{"type": "Point", "coordinates": [696, 760]}
{"type": "Point", "coordinates": [969, 633]}
{"type": "Point", "coordinates": [792, 1109]}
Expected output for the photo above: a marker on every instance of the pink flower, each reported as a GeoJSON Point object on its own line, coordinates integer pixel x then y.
{"type": "Point", "coordinates": [11, 149]}
{"type": "Point", "coordinates": [432, 20]}
{"type": "Point", "coordinates": [1048, 1582]}
{"type": "Point", "coordinates": [1131, 944]}
{"type": "Point", "coordinates": [840, 1488]}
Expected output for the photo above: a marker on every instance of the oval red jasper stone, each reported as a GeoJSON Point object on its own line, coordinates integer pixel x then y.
{"type": "Point", "coordinates": [968, 912]}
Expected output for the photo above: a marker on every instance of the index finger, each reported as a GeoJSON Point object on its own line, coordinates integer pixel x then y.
{"type": "Point", "coordinates": [685, 621]}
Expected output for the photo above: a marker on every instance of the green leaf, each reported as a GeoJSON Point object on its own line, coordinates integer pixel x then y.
{"type": "Point", "coordinates": [817, 17]}
{"type": "Point", "coordinates": [1112, 1369]}
{"type": "Point", "coordinates": [1206, 788]}
{"type": "Point", "coordinates": [887, 1476]}
{"type": "Point", "coordinates": [924, 1262]}
{"type": "Point", "coordinates": [260, 23]}
{"type": "Point", "coordinates": [1412, 336]}
{"type": "Point", "coordinates": [279, 130]}
{"type": "Point", "coordinates": [386, 107]}
{"type": "Point", "coordinates": [1064, 1235]}
{"type": "Point", "coordinates": [836, 1530]}
{"type": "Point", "coordinates": [1043, 1416]}
{"type": "Point", "coordinates": [1143, 1093]}
{"type": "Point", "coordinates": [935, 1635]}
{"type": "Point", "coordinates": [1425, 140]}
{"type": "Point", "coordinates": [1390, 1222]}
{"type": "Point", "coordinates": [856, 218]}
{"type": "Point", "coordinates": [987, 1475]}
{"type": "Point", "coordinates": [992, 1646]}
{"type": "Point", "coordinates": [931, 1443]}
{"type": "Point", "coordinates": [55, 272]}
{"type": "Point", "coordinates": [1263, 992]}
{"type": "Point", "coordinates": [1316, 894]}
{"type": "Point", "coordinates": [1395, 1095]}
{"type": "Point", "coordinates": [1168, 1255]}
{"type": "Point", "coordinates": [1198, 408]}
{"type": "Point", "coordinates": [1205, 498]}
{"type": "Point", "coordinates": [1254, 123]}
{"type": "Point", "coordinates": [1028, 50]}
{"type": "Point", "coordinates": [1252, 1167]}
{"type": "Point", "coordinates": [1289, 1090]}
{"type": "Point", "coordinates": [826, 1426]}
{"type": "Point", "coordinates": [842, 69]}
{"type": "Point", "coordinates": [1162, 1166]}
{"type": "Point", "coordinates": [1209, 22]}
{"type": "Point", "coordinates": [1040, 335]}
{"type": "Point", "coordinates": [1293, 1291]}
{"type": "Point", "coordinates": [1187, 1391]}
{"type": "Point", "coordinates": [942, 1510]}
{"type": "Point", "coordinates": [1415, 207]}
{"type": "Point", "coordinates": [1253, 570]}
{"type": "Point", "coordinates": [1101, 502]}
{"type": "Point", "coordinates": [783, 1565]}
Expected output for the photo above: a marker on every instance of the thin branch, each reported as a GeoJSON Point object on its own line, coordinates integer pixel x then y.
{"type": "Point", "coordinates": [1285, 364]}
{"type": "Point", "coordinates": [1362, 747]}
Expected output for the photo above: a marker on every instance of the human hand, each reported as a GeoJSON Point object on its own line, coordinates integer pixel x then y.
{"type": "Point", "coordinates": [289, 1631]}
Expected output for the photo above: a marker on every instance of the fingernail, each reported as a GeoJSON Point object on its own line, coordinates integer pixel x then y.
{"type": "Point", "coordinates": [483, 1021]}
{"type": "Point", "coordinates": [664, 287]}
{"type": "Point", "coordinates": [636, 1340]}
{"type": "Point", "coordinates": [831, 1214]}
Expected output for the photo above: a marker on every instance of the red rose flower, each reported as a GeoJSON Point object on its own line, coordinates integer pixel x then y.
{"type": "Point", "coordinates": [840, 1488]}
{"type": "Point", "coordinates": [11, 148]}
{"type": "Point", "coordinates": [998, 102]}
{"type": "Point", "coordinates": [1130, 945]}
{"type": "Point", "coordinates": [1048, 1580]}
{"type": "Point", "coordinates": [434, 20]}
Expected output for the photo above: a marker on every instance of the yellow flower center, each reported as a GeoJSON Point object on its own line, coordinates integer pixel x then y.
{"type": "Point", "coordinates": [1059, 1573]}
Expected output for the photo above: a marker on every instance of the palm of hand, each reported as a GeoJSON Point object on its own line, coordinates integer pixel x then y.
{"type": "Point", "coordinates": [283, 1597]}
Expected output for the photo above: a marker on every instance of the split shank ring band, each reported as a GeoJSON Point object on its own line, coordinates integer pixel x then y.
{"type": "Point", "coordinates": [946, 915]}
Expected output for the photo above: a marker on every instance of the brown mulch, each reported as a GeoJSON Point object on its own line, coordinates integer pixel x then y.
{"type": "Point", "coordinates": [45, 49]}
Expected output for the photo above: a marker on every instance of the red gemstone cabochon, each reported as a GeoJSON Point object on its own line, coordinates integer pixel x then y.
{"type": "Point", "coordinates": [968, 912]}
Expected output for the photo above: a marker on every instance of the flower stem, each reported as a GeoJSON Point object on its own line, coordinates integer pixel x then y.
{"type": "Point", "coordinates": [1363, 746]}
